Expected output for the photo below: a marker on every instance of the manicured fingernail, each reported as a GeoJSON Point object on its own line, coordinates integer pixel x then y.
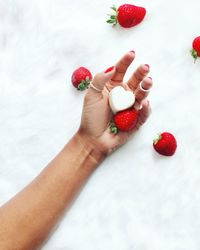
{"type": "Point", "coordinates": [132, 51]}
{"type": "Point", "coordinates": [147, 65]}
{"type": "Point", "coordinates": [109, 69]}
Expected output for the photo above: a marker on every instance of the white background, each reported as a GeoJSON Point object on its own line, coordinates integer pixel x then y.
{"type": "Point", "coordinates": [136, 199]}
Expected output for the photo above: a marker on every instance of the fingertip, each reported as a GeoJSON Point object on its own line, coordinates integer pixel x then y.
{"type": "Point", "coordinates": [104, 76]}
{"type": "Point", "coordinates": [131, 54]}
{"type": "Point", "coordinates": [109, 69]}
{"type": "Point", "coordinates": [145, 67]}
{"type": "Point", "coordinates": [129, 57]}
{"type": "Point", "coordinates": [146, 84]}
{"type": "Point", "coordinates": [146, 107]}
{"type": "Point", "coordinates": [109, 73]}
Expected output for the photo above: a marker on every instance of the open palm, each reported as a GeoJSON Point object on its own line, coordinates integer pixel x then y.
{"type": "Point", "coordinates": [96, 115]}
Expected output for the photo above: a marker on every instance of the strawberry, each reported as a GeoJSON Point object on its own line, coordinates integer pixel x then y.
{"type": "Point", "coordinates": [165, 144]}
{"type": "Point", "coordinates": [124, 120]}
{"type": "Point", "coordinates": [127, 15]}
{"type": "Point", "coordinates": [81, 78]}
{"type": "Point", "coordinates": [195, 52]}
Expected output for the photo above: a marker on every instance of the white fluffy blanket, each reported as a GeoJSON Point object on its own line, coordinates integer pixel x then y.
{"type": "Point", "coordinates": [136, 199]}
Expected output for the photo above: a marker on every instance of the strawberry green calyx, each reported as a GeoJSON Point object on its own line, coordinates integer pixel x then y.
{"type": "Point", "coordinates": [156, 140]}
{"type": "Point", "coordinates": [194, 54]}
{"type": "Point", "coordinates": [113, 17]}
{"type": "Point", "coordinates": [84, 84]}
{"type": "Point", "coordinates": [113, 128]}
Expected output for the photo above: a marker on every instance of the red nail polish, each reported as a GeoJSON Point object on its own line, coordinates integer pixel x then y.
{"type": "Point", "coordinates": [132, 51]}
{"type": "Point", "coordinates": [147, 65]}
{"type": "Point", "coordinates": [109, 69]}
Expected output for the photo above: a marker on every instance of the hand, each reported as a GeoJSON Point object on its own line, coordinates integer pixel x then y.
{"type": "Point", "coordinates": [96, 114]}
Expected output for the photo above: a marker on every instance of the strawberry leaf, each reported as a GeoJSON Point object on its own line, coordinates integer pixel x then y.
{"type": "Point", "coordinates": [113, 17]}
{"type": "Point", "coordinates": [110, 21]}
{"type": "Point", "coordinates": [113, 8]}
{"type": "Point", "coordinates": [84, 84]}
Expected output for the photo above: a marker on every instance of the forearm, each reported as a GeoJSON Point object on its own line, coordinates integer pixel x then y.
{"type": "Point", "coordinates": [27, 219]}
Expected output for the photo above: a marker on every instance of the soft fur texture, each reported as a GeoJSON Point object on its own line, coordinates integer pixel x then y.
{"type": "Point", "coordinates": [136, 199]}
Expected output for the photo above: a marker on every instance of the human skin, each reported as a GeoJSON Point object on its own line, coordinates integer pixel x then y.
{"type": "Point", "coordinates": [27, 220]}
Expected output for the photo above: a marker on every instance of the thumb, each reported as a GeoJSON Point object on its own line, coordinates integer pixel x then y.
{"type": "Point", "coordinates": [102, 78]}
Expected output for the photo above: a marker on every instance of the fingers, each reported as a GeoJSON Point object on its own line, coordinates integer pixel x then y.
{"type": "Point", "coordinates": [143, 113]}
{"type": "Point", "coordinates": [138, 76]}
{"type": "Point", "coordinates": [142, 91]}
{"type": "Point", "coordinates": [100, 79]}
{"type": "Point", "coordinates": [122, 66]}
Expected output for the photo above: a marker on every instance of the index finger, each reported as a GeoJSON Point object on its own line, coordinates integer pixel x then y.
{"type": "Point", "coordinates": [122, 66]}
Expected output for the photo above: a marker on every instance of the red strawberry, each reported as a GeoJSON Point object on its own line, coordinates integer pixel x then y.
{"type": "Point", "coordinates": [165, 144]}
{"type": "Point", "coordinates": [124, 120]}
{"type": "Point", "coordinates": [81, 78]}
{"type": "Point", "coordinates": [127, 15]}
{"type": "Point", "coordinates": [195, 52]}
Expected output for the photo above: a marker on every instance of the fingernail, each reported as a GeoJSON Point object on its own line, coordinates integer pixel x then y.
{"type": "Point", "coordinates": [147, 65]}
{"type": "Point", "coordinates": [132, 51]}
{"type": "Point", "coordinates": [109, 69]}
{"type": "Point", "coordinates": [140, 107]}
{"type": "Point", "coordinates": [150, 77]}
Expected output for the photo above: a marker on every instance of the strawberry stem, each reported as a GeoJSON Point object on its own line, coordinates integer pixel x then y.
{"type": "Point", "coordinates": [194, 54]}
{"type": "Point", "coordinates": [113, 128]}
{"type": "Point", "coordinates": [113, 17]}
{"type": "Point", "coordinates": [156, 140]}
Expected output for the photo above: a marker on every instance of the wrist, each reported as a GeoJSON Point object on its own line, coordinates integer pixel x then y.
{"type": "Point", "coordinates": [90, 145]}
